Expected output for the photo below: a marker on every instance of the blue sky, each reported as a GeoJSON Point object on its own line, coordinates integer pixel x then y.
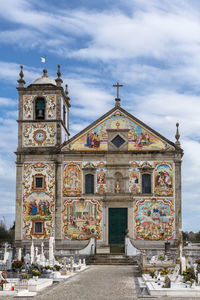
{"type": "Point", "coordinates": [151, 46]}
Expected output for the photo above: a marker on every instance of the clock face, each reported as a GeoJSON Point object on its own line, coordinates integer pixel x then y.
{"type": "Point", "coordinates": [40, 136]}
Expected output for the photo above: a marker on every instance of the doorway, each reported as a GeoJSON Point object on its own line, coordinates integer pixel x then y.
{"type": "Point", "coordinates": [117, 226]}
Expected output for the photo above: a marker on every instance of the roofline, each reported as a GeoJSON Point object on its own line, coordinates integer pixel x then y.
{"type": "Point", "coordinates": [129, 115]}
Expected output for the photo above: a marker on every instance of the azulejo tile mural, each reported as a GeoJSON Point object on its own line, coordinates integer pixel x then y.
{"type": "Point", "coordinates": [28, 107]}
{"type": "Point", "coordinates": [134, 181]}
{"type": "Point", "coordinates": [38, 202]}
{"type": "Point", "coordinates": [72, 179]}
{"type": "Point", "coordinates": [39, 134]}
{"type": "Point", "coordinates": [139, 138]}
{"type": "Point", "coordinates": [163, 178]}
{"type": "Point", "coordinates": [51, 107]}
{"type": "Point", "coordinates": [81, 219]}
{"type": "Point", "coordinates": [101, 178]}
{"type": "Point", "coordinates": [154, 219]}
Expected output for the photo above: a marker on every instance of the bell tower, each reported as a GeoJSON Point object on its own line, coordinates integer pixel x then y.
{"type": "Point", "coordinates": [43, 125]}
{"type": "Point", "coordinates": [43, 119]}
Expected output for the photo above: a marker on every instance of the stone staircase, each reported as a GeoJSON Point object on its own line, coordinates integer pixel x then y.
{"type": "Point", "coordinates": [110, 259]}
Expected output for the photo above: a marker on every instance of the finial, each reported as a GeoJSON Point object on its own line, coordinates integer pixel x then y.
{"type": "Point", "coordinates": [58, 73]}
{"type": "Point", "coordinates": [117, 103]}
{"type": "Point", "coordinates": [21, 75]}
{"type": "Point", "coordinates": [67, 92]}
{"type": "Point", "coordinates": [45, 73]}
{"type": "Point", "coordinates": [177, 136]}
{"type": "Point", "coordinates": [58, 79]}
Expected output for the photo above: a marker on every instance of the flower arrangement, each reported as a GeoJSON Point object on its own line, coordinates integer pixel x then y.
{"type": "Point", "coordinates": [57, 268]}
{"type": "Point", "coordinates": [144, 270]}
{"type": "Point", "coordinates": [197, 261]}
{"type": "Point", "coordinates": [152, 272]}
{"type": "Point", "coordinates": [36, 272]}
{"type": "Point", "coordinates": [17, 264]}
{"type": "Point", "coordinates": [24, 276]}
{"type": "Point", "coordinates": [189, 275]}
{"type": "Point", "coordinates": [164, 271]}
{"type": "Point", "coordinates": [3, 278]}
{"type": "Point", "coordinates": [161, 257]}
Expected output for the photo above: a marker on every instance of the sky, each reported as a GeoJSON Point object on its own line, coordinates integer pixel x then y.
{"type": "Point", "coordinates": [152, 47]}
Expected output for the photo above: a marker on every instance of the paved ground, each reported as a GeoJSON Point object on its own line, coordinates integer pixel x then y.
{"type": "Point", "coordinates": [96, 283]}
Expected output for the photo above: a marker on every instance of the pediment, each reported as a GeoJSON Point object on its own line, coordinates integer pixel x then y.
{"type": "Point", "coordinates": [140, 136]}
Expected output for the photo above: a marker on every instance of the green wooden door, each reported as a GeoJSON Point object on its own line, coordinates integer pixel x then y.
{"type": "Point", "coordinates": [117, 225]}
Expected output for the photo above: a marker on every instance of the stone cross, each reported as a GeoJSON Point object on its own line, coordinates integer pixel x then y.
{"type": "Point", "coordinates": [32, 253]}
{"type": "Point", "coordinates": [117, 86]}
{"type": "Point", "coordinates": [36, 252]}
{"type": "Point", "coordinates": [71, 264]}
{"type": "Point", "coordinates": [117, 99]}
{"type": "Point", "coordinates": [51, 250]}
{"type": "Point", "coordinates": [19, 254]}
{"type": "Point", "coordinates": [64, 272]}
{"type": "Point", "coordinates": [42, 248]}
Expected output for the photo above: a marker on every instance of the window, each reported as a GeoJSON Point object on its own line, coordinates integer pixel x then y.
{"type": "Point", "coordinates": [89, 184]}
{"type": "Point", "coordinates": [118, 141]}
{"type": "Point", "coordinates": [146, 184]}
{"type": "Point", "coordinates": [40, 108]}
{"type": "Point", "coordinates": [38, 227]}
{"type": "Point", "coordinates": [39, 182]}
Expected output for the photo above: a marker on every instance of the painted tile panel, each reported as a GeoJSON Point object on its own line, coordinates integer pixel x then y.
{"type": "Point", "coordinates": [38, 203]}
{"type": "Point", "coordinates": [154, 219]}
{"type": "Point", "coordinates": [72, 179]}
{"type": "Point", "coordinates": [39, 134]}
{"type": "Point", "coordinates": [81, 219]}
{"type": "Point", "coordinates": [96, 138]}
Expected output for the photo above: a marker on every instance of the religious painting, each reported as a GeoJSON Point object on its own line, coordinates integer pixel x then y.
{"type": "Point", "coordinates": [154, 219]}
{"type": "Point", "coordinates": [163, 177]}
{"type": "Point", "coordinates": [39, 134]}
{"type": "Point", "coordinates": [38, 203]}
{"type": "Point", "coordinates": [101, 179]}
{"type": "Point", "coordinates": [134, 181]}
{"type": "Point", "coordinates": [96, 138]}
{"type": "Point", "coordinates": [81, 219]}
{"type": "Point", "coordinates": [72, 179]}
{"type": "Point", "coordinates": [93, 140]}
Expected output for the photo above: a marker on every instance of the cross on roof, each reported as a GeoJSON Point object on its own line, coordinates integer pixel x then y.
{"type": "Point", "coordinates": [117, 86]}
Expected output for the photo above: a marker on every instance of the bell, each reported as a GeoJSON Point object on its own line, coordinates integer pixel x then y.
{"type": "Point", "coordinates": [40, 113]}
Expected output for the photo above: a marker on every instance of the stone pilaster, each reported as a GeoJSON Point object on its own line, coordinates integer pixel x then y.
{"type": "Point", "coordinates": [19, 203]}
{"type": "Point", "coordinates": [178, 201]}
{"type": "Point", "coordinates": [58, 201]}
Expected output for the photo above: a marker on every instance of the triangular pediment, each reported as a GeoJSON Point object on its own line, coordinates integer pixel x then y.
{"type": "Point", "coordinates": [140, 136]}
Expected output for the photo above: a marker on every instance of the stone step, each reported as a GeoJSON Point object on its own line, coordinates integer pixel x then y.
{"type": "Point", "coordinates": [111, 259]}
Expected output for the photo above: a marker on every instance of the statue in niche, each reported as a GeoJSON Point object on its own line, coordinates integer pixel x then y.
{"type": "Point", "coordinates": [117, 186]}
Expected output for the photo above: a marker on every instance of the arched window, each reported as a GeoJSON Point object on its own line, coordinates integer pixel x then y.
{"type": "Point", "coordinates": [40, 108]}
{"type": "Point", "coordinates": [89, 184]}
{"type": "Point", "coordinates": [146, 184]}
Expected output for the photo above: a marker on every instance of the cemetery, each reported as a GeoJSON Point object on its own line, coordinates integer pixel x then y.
{"type": "Point", "coordinates": [169, 272]}
{"type": "Point", "coordinates": [26, 274]}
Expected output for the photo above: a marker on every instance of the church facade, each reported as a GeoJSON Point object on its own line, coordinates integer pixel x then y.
{"type": "Point", "coordinates": [115, 176]}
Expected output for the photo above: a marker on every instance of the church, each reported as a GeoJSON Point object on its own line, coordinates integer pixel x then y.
{"type": "Point", "coordinates": [116, 176]}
